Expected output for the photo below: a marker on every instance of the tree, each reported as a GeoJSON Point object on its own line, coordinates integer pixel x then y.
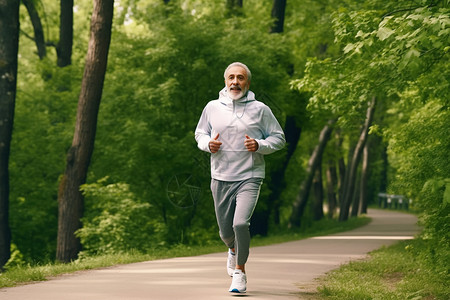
{"type": "Point", "coordinates": [37, 26]}
{"type": "Point", "coordinates": [278, 11]}
{"type": "Point", "coordinates": [318, 193]}
{"type": "Point", "coordinates": [64, 46]}
{"type": "Point", "coordinates": [352, 167]}
{"type": "Point", "coordinates": [9, 45]}
{"type": "Point", "coordinates": [292, 129]}
{"type": "Point", "coordinates": [79, 155]}
{"type": "Point", "coordinates": [331, 187]}
{"type": "Point", "coordinates": [301, 200]}
{"type": "Point", "coordinates": [364, 181]}
{"type": "Point", "coordinates": [277, 184]}
{"type": "Point", "coordinates": [400, 51]}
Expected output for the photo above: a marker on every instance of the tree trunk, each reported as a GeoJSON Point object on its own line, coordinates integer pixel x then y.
{"type": "Point", "coordinates": [350, 178]}
{"type": "Point", "coordinates": [301, 200]}
{"type": "Point", "coordinates": [355, 197]}
{"type": "Point", "coordinates": [260, 220]}
{"type": "Point", "coordinates": [37, 26]}
{"type": "Point", "coordinates": [344, 177]}
{"type": "Point", "coordinates": [278, 11]}
{"type": "Point", "coordinates": [291, 130]}
{"type": "Point", "coordinates": [9, 46]}
{"type": "Point", "coordinates": [292, 134]}
{"type": "Point", "coordinates": [341, 169]}
{"type": "Point", "coordinates": [331, 188]}
{"type": "Point", "coordinates": [341, 164]}
{"type": "Point", "coordinates": [364, 179]}
{"type": "Point", "coordinates": [78, 157]}
{"type": "Point", "coordinates": [384, 175]}
{"type": "Point", "coordinates": [64, 47]}
{"type": "Point", "coordinates": [318, 193]}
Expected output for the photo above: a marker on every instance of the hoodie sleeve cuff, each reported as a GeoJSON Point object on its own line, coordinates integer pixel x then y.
{"type": "Point", "coordinates": [203, 143]}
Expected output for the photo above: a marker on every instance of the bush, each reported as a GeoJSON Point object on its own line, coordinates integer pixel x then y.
{"type": "Point", "coordinates": [420, 148]}
{"type": "Point", "coordinates": [116, 221]}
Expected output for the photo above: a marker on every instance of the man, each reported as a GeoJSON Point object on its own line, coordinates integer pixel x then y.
{"type": "Point", "coordinates": [238, 131]}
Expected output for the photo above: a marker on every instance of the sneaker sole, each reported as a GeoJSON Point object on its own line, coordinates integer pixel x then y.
{"type": "Point", "coordinates": [237, 291]}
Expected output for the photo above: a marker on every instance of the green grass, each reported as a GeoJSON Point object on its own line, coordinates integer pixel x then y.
{"type": "Point", "coordinates": [18, 275]}
{"type": "Point", "coordinates": [402, 271]}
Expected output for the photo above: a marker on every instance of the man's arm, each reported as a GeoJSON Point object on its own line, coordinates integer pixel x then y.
{"type": "Point", "coordinates": [203, 135]}
{"type": "Point", "coordinates": [274, 139]}
{"type": "Point", "coordinates": [203, 132]}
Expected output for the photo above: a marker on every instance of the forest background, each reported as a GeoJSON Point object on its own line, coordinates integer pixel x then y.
{"type": "Point", "coordinates": [360, 88]}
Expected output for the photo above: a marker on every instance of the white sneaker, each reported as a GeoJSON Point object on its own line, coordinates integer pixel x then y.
{"type": "Point", "coordinates": [239, 283]}
{"type": "Point", "coordinates": [231, 262]}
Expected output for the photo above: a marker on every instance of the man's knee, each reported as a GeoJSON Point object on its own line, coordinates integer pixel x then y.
{"type": "Point", "coordinates": [241, 226]}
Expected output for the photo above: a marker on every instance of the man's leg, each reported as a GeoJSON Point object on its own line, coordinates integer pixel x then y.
{"type": "Point", "coordinates": [224, 204]}
{"type": "Point", "coordinates": [246, 200]}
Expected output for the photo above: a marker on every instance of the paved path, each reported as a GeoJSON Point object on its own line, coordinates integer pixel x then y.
{"type": "Point", "coordinates": [274, 272]}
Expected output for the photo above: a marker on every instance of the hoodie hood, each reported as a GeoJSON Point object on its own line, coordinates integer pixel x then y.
{"type": "Point", "coordinates": [223, 97]}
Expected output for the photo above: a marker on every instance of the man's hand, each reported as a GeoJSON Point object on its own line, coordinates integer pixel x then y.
{"type": "Point", "coordinates": [251, 144]}
{"type": "Point", "coordinates": [214, 144]}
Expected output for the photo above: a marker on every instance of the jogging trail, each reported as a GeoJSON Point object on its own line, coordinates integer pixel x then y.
{"type": "Point", "coordinates": [278, 271]}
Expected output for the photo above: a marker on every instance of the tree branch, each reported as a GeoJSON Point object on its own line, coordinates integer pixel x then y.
{"type": "Point", "coordinates": [408, 9]}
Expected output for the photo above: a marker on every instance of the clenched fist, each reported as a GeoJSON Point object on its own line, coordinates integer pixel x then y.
{"type": "Point", "coordinates": [251, 144]}
{"type": "Point", "coordinates": [214, 144]}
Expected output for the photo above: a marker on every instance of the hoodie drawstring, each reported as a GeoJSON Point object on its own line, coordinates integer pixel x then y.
{"type": "Point", "coordinates": [235, 110]}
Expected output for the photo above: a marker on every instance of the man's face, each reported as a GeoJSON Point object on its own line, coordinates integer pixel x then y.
{"type": "Point", "coordinates": [237, 82]}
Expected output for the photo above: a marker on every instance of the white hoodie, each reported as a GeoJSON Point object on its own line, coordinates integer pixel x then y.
{"type": "Point", "coordinates": [233, 119]}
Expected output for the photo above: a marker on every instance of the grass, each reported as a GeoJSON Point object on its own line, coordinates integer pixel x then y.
{"type": "Point", "coordinates": [18, 275]}
{"type": "Point", "coordinates": [402, 271]}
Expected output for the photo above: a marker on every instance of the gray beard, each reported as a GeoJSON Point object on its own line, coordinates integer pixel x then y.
{"type": "Point", "coordinates": [242, 93]}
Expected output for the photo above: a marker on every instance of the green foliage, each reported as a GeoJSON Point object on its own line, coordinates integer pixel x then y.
{"type": "Point", "coordinates": [45, 111]}
{"type": "Point", "coordinates": [436, 219]}
{"type": "Point", "coordinates": [166, 62]}
{"type": "Point", "coordinates": [116, 221]}
{"type": "Point", "coordinates": [380, 56]}
{"type": "Point", "coordinates": [399, 54]}
{"type": "Point", "coordinates": [419, 151]}
{"type": "Point", "coordinates": [16, 258]}
{"type": "Point", "coordinates": [420, 147]}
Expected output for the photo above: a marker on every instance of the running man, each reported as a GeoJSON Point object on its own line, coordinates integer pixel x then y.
{"type": "Point", "coordinates": [238, 131]}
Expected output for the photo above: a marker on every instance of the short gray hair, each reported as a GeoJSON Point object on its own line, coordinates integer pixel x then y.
{"type": "Point", "coordinates": [239, 64]}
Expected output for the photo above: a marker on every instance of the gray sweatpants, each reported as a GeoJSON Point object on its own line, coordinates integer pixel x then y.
{"type": "Point", "coordinates": [234, 203]}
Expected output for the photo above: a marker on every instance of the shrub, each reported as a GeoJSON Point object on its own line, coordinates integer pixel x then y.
{"type": "Point", "coordinates": [116, 221]}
